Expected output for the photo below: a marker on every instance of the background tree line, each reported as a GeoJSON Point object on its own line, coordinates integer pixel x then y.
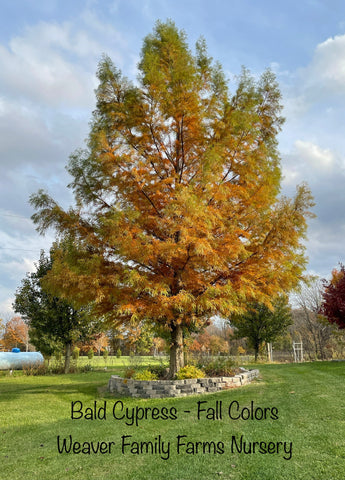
{"type": "Point", "coordinates": [305, 322]}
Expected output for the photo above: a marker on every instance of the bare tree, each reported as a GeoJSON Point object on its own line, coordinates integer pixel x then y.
{"type": "Point", "coordinates": [315, 331]}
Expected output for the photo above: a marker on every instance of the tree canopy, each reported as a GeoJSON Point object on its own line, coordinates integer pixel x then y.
{"type": "Point", "coordinates": [313, 327]}
{"type": "Point", "coordinates": [54, 323]}
{"type": "Point", "coordinates": [260, 324]}
{"type": "Point", "coordinates": [177, 213]}
{"type": "Point", "coordinates": [15, 334]}
{"type": "Point", "coordinates": [333, 305]}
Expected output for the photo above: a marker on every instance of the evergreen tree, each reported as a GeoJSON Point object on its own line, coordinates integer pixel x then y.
{"type": "Point", "coordinates": [261, 324]}
{"type": "Point", "coordinates": [53, 322]}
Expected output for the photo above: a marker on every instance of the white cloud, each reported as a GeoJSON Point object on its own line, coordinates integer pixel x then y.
{"type": "Point", "coordinates": [13, 244]}
{"type": "Point", "coordinates": [20, 267]}
{"type": "Point", "coordinates": [315, 157]}
{"type": "Point", "coordinates": [40, 66]}
{"type": "Point", "coordinates": [314, 95]}
{"type": "Point", "coordinates": [329, 62]}
{"type": "Point", "coordinates": [290, 177]}
{"type": "Point", "coordinates": [6, 311]}
{"type": "Point", "coordinates": [324, 172]}
{"type": "Point", "coordinates": [37, 138]}
{"type": "Point", "coordinates": [325, 74]}
{"type": "Point", "coordinates": [309, 162]}
{"type": "Point", "coordinates": [24, 133]}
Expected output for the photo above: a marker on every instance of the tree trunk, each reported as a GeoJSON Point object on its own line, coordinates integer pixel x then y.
{"type": "Point", "coordinates": [256, 351]}
{"type": "Point", "coordinates": [68, 347]}
{"type": "Point", "coordinates": [176, 350]}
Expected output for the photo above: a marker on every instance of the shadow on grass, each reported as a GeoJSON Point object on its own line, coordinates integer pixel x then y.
{"type": "Point", "coordinates": [302, 393]}
{"type": "Point", "coordinates": [21, 385]}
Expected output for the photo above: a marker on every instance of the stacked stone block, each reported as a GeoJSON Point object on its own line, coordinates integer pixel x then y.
{"type": "Point", "coordinates": [177, 388]}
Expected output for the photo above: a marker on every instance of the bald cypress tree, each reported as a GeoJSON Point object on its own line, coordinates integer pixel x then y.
{"type": "Point", "coordinates": [177, 213]}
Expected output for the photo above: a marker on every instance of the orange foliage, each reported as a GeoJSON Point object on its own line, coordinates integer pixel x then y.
{"type": "Point", "coordinates": [195, 346]}
{"type": "Point", "coordinates": [16, 334]}
{"type": "Point", "coordinates": [240, 350]}
{"type": "Point", "coordinates": [218, 345]}
{"type": "Point", "coordinates": [207, 343]}
{"type": "Point", "coordinates": [97, 344]}
{"type": "Point", "coordinates": [177, 213]}
{"type": "Point", "coordinates": [160, 344]}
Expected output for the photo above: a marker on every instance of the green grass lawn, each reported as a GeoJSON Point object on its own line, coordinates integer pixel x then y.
{"type": "Point", "coordinates": [309, 399]}
{"type": "Point", "coordinates": [98, 362]}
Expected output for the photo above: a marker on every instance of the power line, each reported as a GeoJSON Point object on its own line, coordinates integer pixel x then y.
{"type": "Point", "coordinates": [22, 249]}
{"type": "Point", "coordinates": [16, 216]}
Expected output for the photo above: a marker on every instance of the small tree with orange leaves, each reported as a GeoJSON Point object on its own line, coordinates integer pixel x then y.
{"type": "Point", "coordinates": [177, 214]}
{"type": "Point", "coordinates": [97, 342]}
{"type": "Point", "coordinates": [16, 334]}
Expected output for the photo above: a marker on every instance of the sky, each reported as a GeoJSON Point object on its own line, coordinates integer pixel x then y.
{"type": "Point", "coordinates": [49, 52]}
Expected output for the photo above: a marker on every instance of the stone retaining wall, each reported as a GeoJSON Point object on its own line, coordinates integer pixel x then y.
{"type": "Point", "coordinates": [177, 388]}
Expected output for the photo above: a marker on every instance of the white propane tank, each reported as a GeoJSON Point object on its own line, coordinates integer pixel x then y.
{"type": "Point", "coordinates": [17, 360]}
